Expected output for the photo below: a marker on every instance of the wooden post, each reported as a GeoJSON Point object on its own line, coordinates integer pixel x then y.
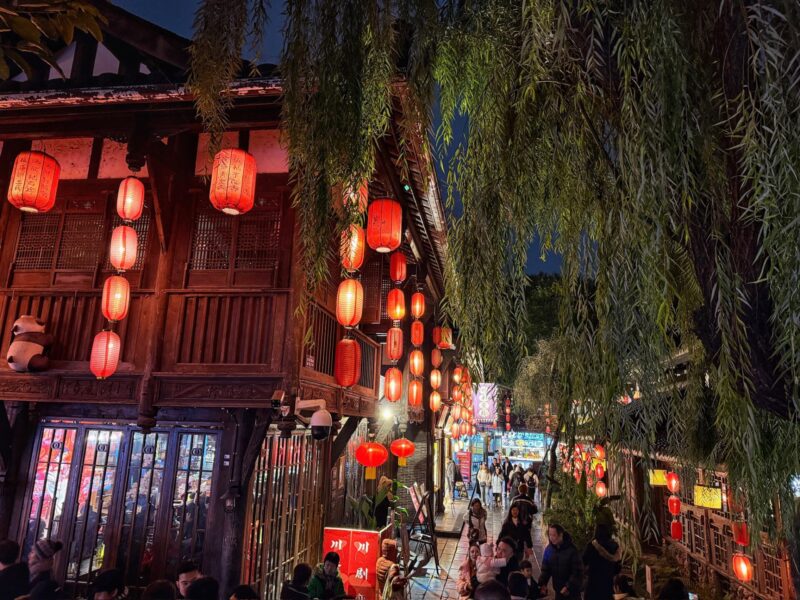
{"type": "Point", "coordinates": [19, 436]}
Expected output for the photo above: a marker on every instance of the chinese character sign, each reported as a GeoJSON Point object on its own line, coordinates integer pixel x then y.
{"type": "Point", "coordinates": [484, 402]}
{"type": "Point", "coordinates": [358, 552]}
{"type": "Point", "coordinates": [464, 465]}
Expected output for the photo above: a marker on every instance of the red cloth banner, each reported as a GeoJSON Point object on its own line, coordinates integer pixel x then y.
{"type": "Point", "coordinates": [358, 553]}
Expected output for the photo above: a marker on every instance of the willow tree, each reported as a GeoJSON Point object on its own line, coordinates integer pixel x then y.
{"type": "Point", "coordinates": [654, 144]}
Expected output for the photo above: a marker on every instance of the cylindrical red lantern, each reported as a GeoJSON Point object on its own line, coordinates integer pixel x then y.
{"type": "Point", "coordinates": [130, 199]}
{"type": "Point", "coordinates": [415, 393]}
{"type": "Point", "coordinates": [347, 362]}
{"type": "Point", "coordinates": [105, 354]}
{"type": "Point", "coordinates": [600, 452]}
{"type": "Point", "coordinates": [349, 302]}
{"type": "Point", "coordinates": [435, 401]}
{"type": "Point", "coordinates": [124, 245]}
{"type": "Point", "coordinates": [455, 431]}
{"type": "Point", "coordinates": [673, 482]}
{"type": "Point", "coordinates": [417, 305]}
{"type": "Point", "coordinates": [600, 489]}
{"type": "Point", "coordinates": [233, 181]}
{"type": "Point", "coordinates": [446, 339]}
{"type": "Point", "coordinates": [394, 343]}
{"type": "Point", "coordinates": [436, 335]}
{"type": "Point", "coordinates": [456, 394]}
{"type": "Point", "coordinates": [351, 250]}
{"type": "Point", "coordinates": [393, 384]}
{"type": "Point", "coordinates": [396, 304]}
{"type": "Point", "coordinates": [371, 455]}
{"type": "Point", "coordinates": [34, 181]}
{"type": "Point", "coordinates": [457, 375]}
{"type": "Point", "coordinates": [436, 358]}
{"type": "Point", "coordinates": [416, 363]}
{"type": "Point", "coordinates": [384, 225]}
{"type": "Point", "coordinates": [676, 530]}
{"type": "Point", "coordinates": [398, 267]}
{"type": "Point", "coordinates": [674, 505]}
{"type": "Point", "coordinates": [436, 379]}
{"type": "Point", "coordinates": [417, 333]}
{"type": "Point", "coordinates": [508, 426]}
{"type": "Point", "coordinates": [599, 471]}
{"type": "Point", "coordinates": [741, 535]}
{"type": "Point", "coordinates": [742, 567]}
{"type": "Point", "coordinates": [402, 449]}
{"type": "Point", "coordinates": [465, 428]}
{"type": "Point", "coordinates": [456, 411]}
{"type": "Point", "coordinates": [116, 298]}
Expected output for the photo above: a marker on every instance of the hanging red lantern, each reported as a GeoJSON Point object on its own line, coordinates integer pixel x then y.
{"type": "Point", "coordinates": [435, 401]}
{"type": "Point", "coordinates": [674, 505]}
{"type": "Point", "coordinates": [402, 449]}
{"type": "Point", "coordinates": [349, 302]}
{"type": "Point", "coordinates": [351, 250]}
{"type": "Point", "coordinates": [600, 489]}
{"type": "Point", "coordinates": [741, 535]}
{"type": "Point", "coordinates": [394, 343]}
{"type": "Point", "coordinates": [456, 394]}
{"type": "Point", "coordinates": [398, 267]}
{"type": "Point", "coordinates": [415, 393]}
{"type": "Point", "coordinates": [742, 567]}
{"type": "Point", "coordinates": [384, 225]}
{"type": "Point", "coordinates": [676, 530]}
{"type": "Point", "coordinates": [417, 305]}
{"type": "Point", "coordinates": [673, 482]}
{"type": "Point", "coordinates": [465, 428]}
{"type": "Point", "coordinates": [416, 363]}
{"type": "Point", "coordinates": [233, 181]}
{"type": "Point", "coordinates": [436, 357]}
{"type": "Point", "coordinates": [599, 471]}
{"type": "Point", "coordinates": [455, 431]}
{"type": "Point", "coordinates": [457, 375]}
{"type": "Point", "coordinates": [396, 304]}
{"type": "Point", "coordinates": [436, 378]}
{"type": "Point", "coordinates": [393, 384]}
{"type": "Point", "coordinates": [105, 354]}
{"type": "Point", "coordinates": [508, 426]}
{"type": "Point", "coordinates": [130, 199]}
{"type": "Point", "coordinates": [347, 362]}
{"type": "Point", "coordinates": [124, 245]}
{"type": "Point", "coordinates": [446, 339]}
{"type": "Point", "coordinates": [417, 333]}
{"type": "Point", "coordinates": [600, 452]}
{"type": "Point", "coordinates": [456, 411]}
{"type": "Point", "coordinates": [547, 429]}
{"type": "Point", "coordinates": [34, 182]}
{"type": "Point", "coordinates": [116, 298]}
{"type": "Point", "coordinates": [371, 455]}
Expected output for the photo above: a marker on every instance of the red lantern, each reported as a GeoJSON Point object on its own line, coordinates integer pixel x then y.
{"type": "Point", "coordinates": [435, 401]}
{"type": "Point", "coordinates": [402, 449]}
{"type": "Point", "coordinates": [676, 530]}
{"type": "Point", "coordinates": [456, 394]}
{"type": "Point", "coordinates": [351, 250]}
{"type": "Point", "coordinates": [393, 384]}
{"type": "Point", "coordinates": [474, 430]}
{"type": "Point", "coordinates": [396, 304]}
{"type": "Point", "coordinates": [673, 482]}
{"type": "Point", "coordinates": [130, 199]}
{"type": "Point", "coordinates": [436, 379]}
{"type": "Point", "coordinates": [384, 225]}
{"type": "Point", "coordinates": [437, 335]}
{"type": "Point", "coordinates": [599, 471]}
{"type": "Point", "coordinates": [577, 475]}
{"type": "Point", "coordinates": [116, 298]}
{"type": "Point", "coordinates": [416, 363]}
{"type": "Point", "coordinates": [446, 339]}
{"type": "Point", "coordinates": [233, 181]}
{"type": "Point", "coordinates": [742, 567]}
{"type": "Point", "coordinates": [105, 354]}
{"type": "Point", "coordinates": [394, 343]}
{"type": "Point", "coordinates": [599, 452]}
{"type": "Point", "coordinates": [457, 375]}
{"type": "Point", "coordinates": [600, 489]}
{"type": "Point", "coordinates": [436, 357]}
{"type": "Point", "coordinates": [547, 429]}
{"type": "Point", "coordinates": [349, 302]}
{"type": "Point", "coordinates": [674, 505]}
{"type": "Point", "coordinates": [415, 393]}
{"type": "Point", "coordinates": [398, 267]}
{"type": "Point", "coordinates": [34, 181]}
{"type": "Point", "coordinates": [417, 305]}
{"type": "Point", "coordinates": [456, 411]}
{"type": "Point", "coordinates": [455, 430]}
{"type": "Point", "coordinates": [371, 455]}
{"type": "Point", "coordinates": [417, 333]}
{"type": "Point", "coordinates": [741, 535]}
{"type": "Point", "coordinates": [124, 246]}
{"type": "Point", "coordinates": [347, 362]}
{"type": "Point", "coordinates": [508, 426]}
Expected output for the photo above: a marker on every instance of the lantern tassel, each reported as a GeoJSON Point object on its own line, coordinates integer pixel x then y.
{"type": "Point", "coordinates": [370, 473]}
{"type": "Point", "coordinates": [401, 461]}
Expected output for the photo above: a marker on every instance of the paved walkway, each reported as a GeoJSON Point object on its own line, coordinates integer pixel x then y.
{"type": "Point", "coordinates": [426, 584]}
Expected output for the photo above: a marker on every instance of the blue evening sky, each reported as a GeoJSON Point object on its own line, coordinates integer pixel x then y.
{"type": "Point", "coordinates": [177, 16]}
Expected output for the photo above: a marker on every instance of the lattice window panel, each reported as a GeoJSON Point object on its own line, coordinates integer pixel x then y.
{"type": "Point", "coordinates": [698, 536]}
{"type": "Point", "coordinates": [211, 241]}
{"type": "Point", "coordinates": [258, 240]}
{"type": "Point", "coordinates": [773, 582]}
{"type": "Point", "coordinates": [367, 378]}
{"type": "Point", "coordinates": [373, 300]}
{"type": "Point", "coordinates": [721, 540]}
{"type": "Point", "coordinates": [82, 240]}
{"type": "Point", "coordinates": [142, 228]}
{"type": "Point", "coordinates": [38, 235]}
{"type": "Point", "coordinates": [386, 285]}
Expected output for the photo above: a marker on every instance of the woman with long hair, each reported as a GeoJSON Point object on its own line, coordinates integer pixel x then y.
{"type": "Point", "coordinates": [476, 522]}
{"type": "Point", "coordinates": [518, 530]}
{"type": "Point", "coordinates": [601, 558]}
{"type": "Point", "coordinates": [468, 573]}
{"type": "Point", "coordinates": [498, 485]}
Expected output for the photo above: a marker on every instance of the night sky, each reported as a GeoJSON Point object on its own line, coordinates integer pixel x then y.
{"type": "Point", "coordinates": [177, 16]}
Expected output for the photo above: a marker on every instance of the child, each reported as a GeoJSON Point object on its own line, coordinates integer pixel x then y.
{"type": "Point", "coordinates": [488, 567]}
{"type": "Point", "coordinates": [526, 568]}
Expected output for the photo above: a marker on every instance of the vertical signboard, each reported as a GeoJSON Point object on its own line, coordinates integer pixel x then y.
{"type": "Point", "coordinates": [358, 552]}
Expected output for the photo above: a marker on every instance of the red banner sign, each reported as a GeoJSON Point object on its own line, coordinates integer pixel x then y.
{"type": "Point", "coordinates": [358, 552]}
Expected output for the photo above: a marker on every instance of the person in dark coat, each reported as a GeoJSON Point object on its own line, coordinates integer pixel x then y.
{"type": "Point", "coordinates": [297, 588]}
{"type": "Point", "coordinates": [518, 530]}
{"type": "Point", "coordinates": [40, 563]}
{"type": "Point", "coordinates": [562, 564]}
{"type": "Point", "coordinates": [326, 583]}
{"type": "Point", "coordinates": [601, 559]}
{"type": "Point", "coordinates": [14, 575]}
{"type": "Point", "coordinates": [506, 548]}
{"type": "Point", "coordinates": [527, 507]}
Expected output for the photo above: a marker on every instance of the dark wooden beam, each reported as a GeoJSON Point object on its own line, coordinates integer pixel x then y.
{"type": "Point", "coordinates": [5, 439]}
{"type": "Point", "coordinates": [160, 175]}
{"type": "Point", "coordinates": [345, 433]}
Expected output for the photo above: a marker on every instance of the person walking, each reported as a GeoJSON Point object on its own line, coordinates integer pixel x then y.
{"type": "Point", "coordinates": [601, 560]}
{"type": "Point", "coordinates": [527, 507]}
{"type": "Point", "coordinates": [326, 582]}
{"type": "Point", "coordinates": [562, 564]}
{"type": "Point", "coordinates": [449, 481]}
{"type": "Point", "coordinates": [517, 529]}
{"type": "Point", "coordinates": [485, 482]}
{"type": "Point", "coordinates": [476, 522]}
{"type": "Point", "coordinates": [507, 467]}
{"type": "Point", "coordinates": [516, 479]}
{"type": "Point", "coordinates": [498, 486]}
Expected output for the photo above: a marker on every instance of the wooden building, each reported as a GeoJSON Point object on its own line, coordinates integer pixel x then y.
{"type": "Point", "coordinates": [179, 454]}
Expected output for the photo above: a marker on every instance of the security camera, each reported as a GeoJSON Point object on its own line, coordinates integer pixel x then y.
{"type": "Point", "coordinates": [321, 424]}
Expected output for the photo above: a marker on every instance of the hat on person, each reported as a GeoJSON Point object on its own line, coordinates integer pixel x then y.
{"type": "Point", "coordinates": [47, 548]}
{"type": "Point", "coordinates": [332, 557]}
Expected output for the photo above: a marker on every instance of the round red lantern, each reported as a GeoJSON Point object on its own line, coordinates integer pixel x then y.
{"type": "Point", "coordinates": [455, 431]}
{"type": "Point", "coordinates": [465, 428]}
{"type": "Point", "coordinates": [673, 482]}
{"type": "Point", "coordinates": [371, 455]}
{"type": "Point", "coordinates": [347, 362]}
{"type": "Point", "coordinates": [124, 245]}
{"type": "Point", "coordinates": [384, 225]}
{"type": "Point", "coordinates": [351, 250]}
{"type": "Point", "coordinates": [415, 393]}
{"type": "Point", "coordinates": [741, 535]}
{"type": "Point", "coordinates": [394, 343]}
{"type": "Point", "coordinates": [742, 567]}
{"type": "Point", "coordinates": [417, 333]}
{"type": "Point", "coordinates": [349, 302]}
{"type": "Point", "coordinates": [398, 267]}
{"type": "Point", "coordinates": [600, 452]}
{"type": "Point", "coordinates": [456, 411]}
{"type": "Point", "coordinates": [34, 181]}
{"type": "Point", "coordinates": [446, 339]}
{"type": "Point", "coordinates": [435, 401]}
{"type": "Point", "coordinates": [130, 199]}
{"type": "Point", "coordinates": [547, 429]}
{"type": "Point", "coordinates": [417, 305]}
{"type": "Point", "coordinates": [393, 384]}
{"type": "Point", "coordinates": [456, 394]}
{"type": "Point", "coordinates": [599, 471]}
{"type": "Point", "coordinates": [676, 530]}
{"type": "Point", "coordinates": [402, 449]}
{"type": "Point", "coordinates": [457, 375]}
{"type": "Point", "coordinates": [233, 181]}
{"type": "Point", "coordinates": [436, 335]}
{"type": "Point", "coordinates": [436, 357]}
{"type": "Point", "coordinates": [105, 354]}
{"type": "Point", "coordinates": [416, 363]}
{"type": "Point", "coordinates": [600, 489]}
{"type": "Point", "coordinates": [436, 379]}
{"type": "Point", "coordinates": [674, 505]}
{"type": "Point", "coordinates": [396, 304]}
{"type": "Point", "coordinates": [508, 426]}
{"type": "Point", "coordinates": [116, 298]}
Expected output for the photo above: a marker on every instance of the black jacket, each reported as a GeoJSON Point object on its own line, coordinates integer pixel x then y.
{"type": "Point", "coordinates": [14, 581]}
{"type": "Point", "coordinates": [520, 533]}
{"type": "Point", "coordinates": [527, 507]}
{"type": "Point", "coordinates": [563, 565]}
{"type": "Point", "coordinates": [511, 566]}
{"type": "Point", "coordinates": [600, 571]}
{"type": "Point", "coordinates": [289, 591]}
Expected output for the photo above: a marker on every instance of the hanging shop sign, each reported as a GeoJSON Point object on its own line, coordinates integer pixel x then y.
{"type": "Point", "coordinates": [465, 465]}
{"type": "Point", "coordinates": [524, 445]}
{"type": "Point", "coordinates": [358, 552]}
{"type": "Point", "coordinates": [658, 477]}
{"type": "Point", "coordinates": [708, 497]}
{"type": "Point", "coordinates": [484, 402]}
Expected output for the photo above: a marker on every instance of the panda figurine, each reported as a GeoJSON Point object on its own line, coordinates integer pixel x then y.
{"type": "Point", "coordinates": [28, 349]}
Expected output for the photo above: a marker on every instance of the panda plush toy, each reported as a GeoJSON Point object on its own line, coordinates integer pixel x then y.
{"type": "Point", "coordinates": [28, 349]}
